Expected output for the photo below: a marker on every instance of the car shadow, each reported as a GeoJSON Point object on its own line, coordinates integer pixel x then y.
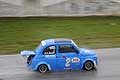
{"type": "Point", "coordinates": [64, 75]}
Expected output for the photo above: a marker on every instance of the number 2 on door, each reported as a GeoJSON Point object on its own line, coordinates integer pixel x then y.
{"type": "Point", "coordinates": [67, 64]}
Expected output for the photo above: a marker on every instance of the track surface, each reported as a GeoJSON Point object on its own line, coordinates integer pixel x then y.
{"type": "Point", "coordinates": [12, 67]}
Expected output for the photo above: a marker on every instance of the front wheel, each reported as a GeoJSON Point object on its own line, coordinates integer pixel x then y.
{"type": "Point", "coordinates": [88, 65]}
{"type": "Point", "coordinates": [43, 68]}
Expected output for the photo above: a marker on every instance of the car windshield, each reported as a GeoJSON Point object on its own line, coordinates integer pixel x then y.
{"type": "Point", "coordinates": [75, 44]}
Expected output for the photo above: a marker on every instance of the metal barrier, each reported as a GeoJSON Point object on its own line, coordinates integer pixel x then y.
{"type": "Point", "coordinates": [23, 8]}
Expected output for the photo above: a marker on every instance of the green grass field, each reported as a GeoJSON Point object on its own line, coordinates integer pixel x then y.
{"type": "Point", "coordinates": [18, 34]}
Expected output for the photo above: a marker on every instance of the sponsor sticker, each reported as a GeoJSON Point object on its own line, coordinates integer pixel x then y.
{"type": "Point", "coordinates": [75, 60]}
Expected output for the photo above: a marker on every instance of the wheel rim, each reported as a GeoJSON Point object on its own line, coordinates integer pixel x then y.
{"type": "Point", "coordinates": [43, 68]}
{"type": "Point", "coordinates": [88, 66]}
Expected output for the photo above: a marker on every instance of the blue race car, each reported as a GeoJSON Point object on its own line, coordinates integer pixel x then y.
{"type": "Point", "coordinates": [59, 55]}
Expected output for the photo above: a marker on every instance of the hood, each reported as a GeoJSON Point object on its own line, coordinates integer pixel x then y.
{"type": "Point", "coordinates": [27, 53]}
{"type": "Point", "coordinates": [86, 52]}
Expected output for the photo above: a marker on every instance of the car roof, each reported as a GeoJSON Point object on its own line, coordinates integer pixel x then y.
{"type": "Point", "coordinates": [57, 41]}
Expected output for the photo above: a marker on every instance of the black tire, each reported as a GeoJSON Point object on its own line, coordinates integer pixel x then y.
{"type": "Point", "coordinates": [88, 66]}
{"type": "Point", "coordinates": [43, 68]}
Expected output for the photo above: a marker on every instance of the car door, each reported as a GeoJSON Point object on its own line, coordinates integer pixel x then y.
{"type": "Point", "coordinates": [50, 56]}
{"type": "Point", "coordinates": [67, 57]}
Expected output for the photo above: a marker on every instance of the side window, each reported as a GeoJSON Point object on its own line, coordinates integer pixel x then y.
{"type": "Point", "coordinates": [50, 50]}
{"type": "Point", "coordinates": [66, 49]}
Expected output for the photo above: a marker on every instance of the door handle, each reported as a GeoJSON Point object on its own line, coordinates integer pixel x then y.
{"type": "Point", "coordinates": [63, 56]}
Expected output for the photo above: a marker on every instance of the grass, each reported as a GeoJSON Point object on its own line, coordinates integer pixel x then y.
{"type": "Point", "coordinates": [18, 34]}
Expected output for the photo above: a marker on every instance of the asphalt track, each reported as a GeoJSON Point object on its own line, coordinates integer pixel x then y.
{"type": "Point", "coordinates": [12, 67]}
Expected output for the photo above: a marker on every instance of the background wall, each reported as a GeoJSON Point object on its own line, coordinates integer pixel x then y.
{"type": "Point", "coordinates": [59, 7]}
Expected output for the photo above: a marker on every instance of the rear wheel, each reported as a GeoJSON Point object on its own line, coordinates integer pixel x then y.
{"type": "Point", "coordinates": [43, 68]}
{"type": "Point", "coordinates": [88, 65]}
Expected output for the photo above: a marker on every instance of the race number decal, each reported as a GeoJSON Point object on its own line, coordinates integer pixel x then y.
{"type": "Point", "coordinates": [73, 60]}
{"type": "Point", "coordinates": [67, 62]}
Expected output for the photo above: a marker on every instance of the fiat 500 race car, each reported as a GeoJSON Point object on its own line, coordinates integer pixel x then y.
{"type": "Point", "coordinates": [59, 55]}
